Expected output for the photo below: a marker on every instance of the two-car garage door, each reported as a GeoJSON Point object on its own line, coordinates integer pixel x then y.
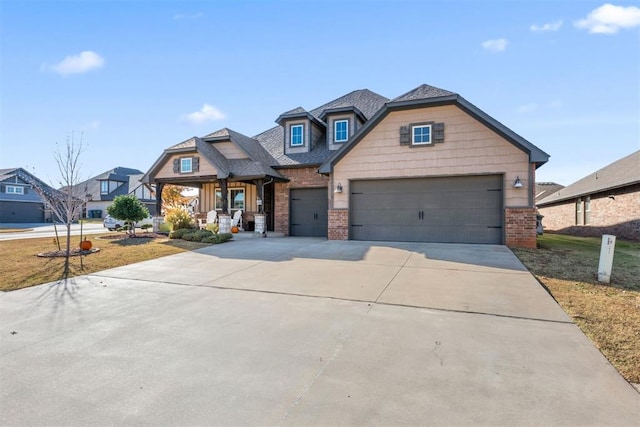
{"type": "Point", "coordinates": [461, 209]}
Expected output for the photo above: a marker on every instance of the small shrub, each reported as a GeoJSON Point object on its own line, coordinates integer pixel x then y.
{"type": "Point", "coordinates": [165, 227]}
{"type": "Point", "coordinates": [221, 238]}
{"type": "Point", "coordinates": [178, 233]}
{"type": "Point", "coordinates": [214, 228]}
{"type": "Point", "coordinates": [179, 217]}
{"type": "Point", "coordinates": [197, 235]}
{"type": "Point", "coordinates": [217, 238]}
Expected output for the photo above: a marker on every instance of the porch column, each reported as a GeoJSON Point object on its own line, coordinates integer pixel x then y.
{"type": "Point", "coordinates": [260, 201]}
{"type": "Point", "coordinates": [225, 196]}
{"type": "Point", "coordinates": [159, 188]}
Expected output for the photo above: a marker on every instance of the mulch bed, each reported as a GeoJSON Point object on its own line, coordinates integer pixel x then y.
{"type": "Point", "coordinates": [74, 252]}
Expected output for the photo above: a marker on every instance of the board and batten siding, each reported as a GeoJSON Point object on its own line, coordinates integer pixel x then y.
{"type": "Point", "coordinates": [469, 148]}
{"type": "Point", "coordinates": [166, 171]}
{"type": "Point", "coordinates": [208, 196]}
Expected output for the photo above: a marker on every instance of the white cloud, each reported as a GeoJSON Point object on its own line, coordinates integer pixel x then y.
{"type": "Point", "coordinates": [208, 113]}
{"type": "Point", "coordinates": [495, 46]}
{"type": "Point", "coordinates": [78, 64]}
{"type": "Point", "coordinates": [551, 26]}
{"type": "Point", "coordinates": [531, 107]}
{"type": "Point", "coordinates": [187, 16]}
{"type": "Point", "coordinates": [609, 19]}
{"type": "Point", "coordinates": [527, 108]}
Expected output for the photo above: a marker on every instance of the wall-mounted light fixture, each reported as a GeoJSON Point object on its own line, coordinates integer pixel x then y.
{"type": "Point", "coordinates": [517, 183]}
{"type": "Point", "coordinates": [611, 196]}
{"type": "Point", "coordinates": [338, 188]}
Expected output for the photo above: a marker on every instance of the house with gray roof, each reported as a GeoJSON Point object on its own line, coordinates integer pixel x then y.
{"type": "Point", "coordinates": [606, 201]}
{"type": "Point", "coordinates": [19, 202]}
{"type": "Point", "coordinates": [100, 190]}
{"type": "Point", "coordinates": [426, 166]}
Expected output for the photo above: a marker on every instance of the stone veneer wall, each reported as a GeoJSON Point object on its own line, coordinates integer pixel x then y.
{"type": "Point", "coordinates": [520, 227]}
{"type": "Point", "coordinates": [298, 178]}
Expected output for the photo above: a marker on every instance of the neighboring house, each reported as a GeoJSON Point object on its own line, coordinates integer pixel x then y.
{"type": "Point", "coordinates": [604, 202]}
{"type": "Point", "coordinates": [544, 189]}
{"type": "Point", "coordinates": [100, 190]}
{"type": "Point", "coordinates": [19, 203]}
{"type": "Point", "coordinates": [427, 166]}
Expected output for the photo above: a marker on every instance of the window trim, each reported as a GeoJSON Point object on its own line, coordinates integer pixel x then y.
{"type": "Point", "coordinates": [183, 160]}
{"type": "Point", "coordinates": [104, 189]}
{"type": "Point", "coordinates": [296, 126]}
{"type": "Point", "coordinates": [14, 189]}
{"type": "Point", "coordinates": [335, 130]}
{"type": "Point", "coordinates": [413, 134]}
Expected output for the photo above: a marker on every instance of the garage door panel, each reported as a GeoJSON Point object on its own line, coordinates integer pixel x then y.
{"type": "Point", "coordinates": [309, 212]}
{"type": "Point", "coordinates": [21, 212]}
{"type": "Point", "coordinates": [449, 209]}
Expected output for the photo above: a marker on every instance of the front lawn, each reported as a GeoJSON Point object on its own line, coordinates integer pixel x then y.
{"type": "Point", "coordinates": [21, 267]}
{"type": "Point", "coordinates": [609, 314]}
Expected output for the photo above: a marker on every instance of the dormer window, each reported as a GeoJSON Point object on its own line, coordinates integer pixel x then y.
{"type": "Point", "coordinates": [297, 135]}
{"type": "Point", "coordinates": [186, 165]}
{"type": "Point", "coordinates": [104, 187]}
{"type": "Point", "coordinates": [340, 130]}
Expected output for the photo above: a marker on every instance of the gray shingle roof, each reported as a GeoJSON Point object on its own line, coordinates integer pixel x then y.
{"type": "Point", "coordinates": [544, 189]}
{"type": "Point", "coordinates": [119, 173]}
{"type": "Point", "coordinates": [620, 173]}
{"type": "Point", "coordinates": [188, 143]}
{"type": "Point", "coordinates": [364, 100]}
{"type": "Point", "coordinates": [423, 92]}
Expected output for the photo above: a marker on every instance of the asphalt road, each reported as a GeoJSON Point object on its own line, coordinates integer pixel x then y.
{"type": "Point", "coordinates": [33, 231]}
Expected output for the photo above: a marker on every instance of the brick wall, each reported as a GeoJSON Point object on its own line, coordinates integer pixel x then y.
{"type": "Point", "coordinates": [298, 178]}
{"type": "Point", "coordinates": [520, 227]}
{"type": "Point", "coordinates": [618, 215]}
{"type": "Point", "coordinates": [338, 224]}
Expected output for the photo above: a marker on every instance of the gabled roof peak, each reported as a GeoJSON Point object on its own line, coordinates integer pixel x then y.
{"type": "Point", "coordinates": [423, 91]}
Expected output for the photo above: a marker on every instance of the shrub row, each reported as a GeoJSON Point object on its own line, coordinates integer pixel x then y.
{"type": "Point", "coordinates": [203, 236]}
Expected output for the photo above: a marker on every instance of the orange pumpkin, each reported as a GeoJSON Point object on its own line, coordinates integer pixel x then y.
{"type": "Point", "coordinates": [85, 245]}
{"type": "Point", "coordinates": [234, 229]}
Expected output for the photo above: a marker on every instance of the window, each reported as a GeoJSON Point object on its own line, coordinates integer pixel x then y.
{"type": "Point", "coordinates": [579, 212]}
{"type": "Point", "coordinates": [340, 130]}
{"type": "Point", "coordinates": [14, 189]}
{"type": "Point", "coordinates": [235, 198]}
{"type": "Point", "coordinates": [297, 135]}
{"type": "Point", "coordinates": [104, 187]}
{"type": "Point", "coordinates": [421, 135]}
{"type": "Point", "coordinates": [587, 210]}
{"type": "Point", "coordinates": [186, 165]}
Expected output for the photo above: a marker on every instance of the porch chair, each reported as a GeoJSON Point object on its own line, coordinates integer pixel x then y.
{"type": "Point", "coordinates": [236, 221]}
{"type": "Point", "coordinates": [212, 218]}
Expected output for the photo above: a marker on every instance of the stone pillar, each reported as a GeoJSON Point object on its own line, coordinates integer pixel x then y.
{"type": "Point", "coordinates": [157, 220]}
{"type": "Point", "coordinates": [225, 223]}
{"type": "Point", "coordinates": [260, 228]}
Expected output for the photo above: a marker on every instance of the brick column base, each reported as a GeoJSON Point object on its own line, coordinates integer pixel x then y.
{"type": "Point", "coordinates": [338, 224]}
{"type": "Point", "coordinates": [520, 226]}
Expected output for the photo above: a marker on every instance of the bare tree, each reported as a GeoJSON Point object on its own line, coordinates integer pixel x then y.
{"type": "Point", "coordinates": [66, 204]}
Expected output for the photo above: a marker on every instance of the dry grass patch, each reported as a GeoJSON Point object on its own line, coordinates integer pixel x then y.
{"type": "Point", "coordinates": [21, 267]}
{"type": "Point", "coordinates": [608, 314]}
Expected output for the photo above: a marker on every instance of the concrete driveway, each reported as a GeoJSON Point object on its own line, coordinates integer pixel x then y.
{"type": "Point", "coordinates": [304, 331]}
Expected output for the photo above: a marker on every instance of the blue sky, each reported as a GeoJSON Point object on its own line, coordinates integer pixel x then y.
{"type": "Point", "coordinates": [136, 77]}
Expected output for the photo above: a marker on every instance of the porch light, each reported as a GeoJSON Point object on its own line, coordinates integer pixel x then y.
{"type": "Point", "coordinates": [518, 183]}
{"type": "Point", "coordinates": [339, 188]}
